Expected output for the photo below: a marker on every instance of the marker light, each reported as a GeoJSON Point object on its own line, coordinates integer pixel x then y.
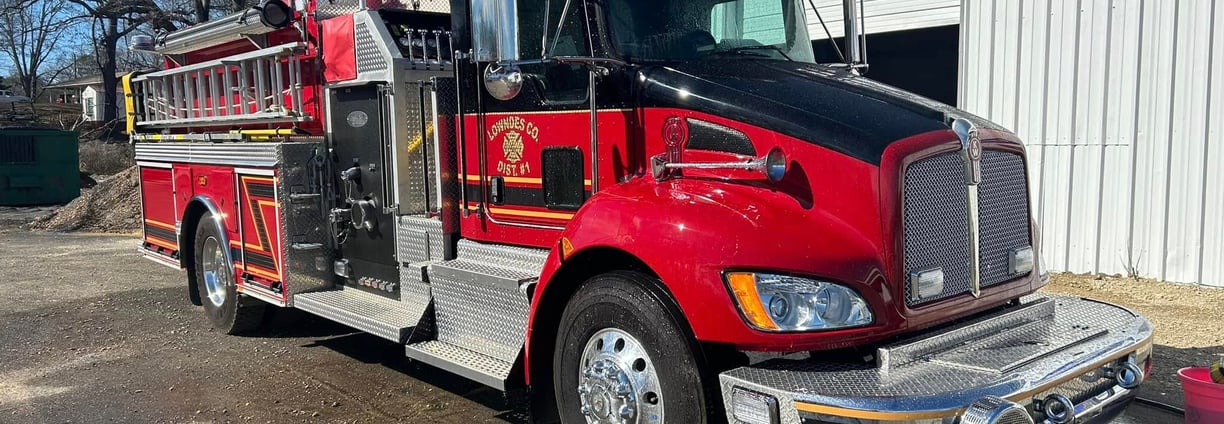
{"type": "Point", "coordinates": [1020, 261]}
{"type": "Point", "coordinates": [750, 407]}
{"type": "Point", "coordinates": [743, 285]}
{"type": "Point", "coordinates": [774, 302]}
{"type": "Point", "coordinates": [926, 284]}
{"type": "Point", "coordinates": [775, 165]}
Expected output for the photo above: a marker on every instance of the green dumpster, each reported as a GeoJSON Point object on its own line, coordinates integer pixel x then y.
{"type": "Point", "coordinates": [38, 166]}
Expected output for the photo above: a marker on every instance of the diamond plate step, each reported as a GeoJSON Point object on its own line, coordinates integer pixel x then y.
{"type": "Point", "coordinates": [377, 315]}
{"type": "Point", "coordinates": [474, 366]}
{"type": "Point", "coordinates": [471, 271]}
{"type": "Point", "coordinates": [1030, 314]}
{"type": "Point", "coordinates": [503, 255]}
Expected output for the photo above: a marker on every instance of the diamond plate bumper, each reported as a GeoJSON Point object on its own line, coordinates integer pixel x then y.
{"type": "Point", "coordinates": [1046, 345]}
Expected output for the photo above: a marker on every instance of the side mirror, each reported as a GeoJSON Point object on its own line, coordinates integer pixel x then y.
{"type": "Point", "coordinates": [495, 30]}
{"type": "Point", "coordinates": [503, 81]}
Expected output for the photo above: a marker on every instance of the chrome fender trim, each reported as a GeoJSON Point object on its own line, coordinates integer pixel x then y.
{"type": "Point", "coordinates": [218, 218]}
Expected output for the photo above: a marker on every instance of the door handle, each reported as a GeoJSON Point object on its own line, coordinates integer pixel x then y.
{"type": "Point", "coordinates": [497, 190]}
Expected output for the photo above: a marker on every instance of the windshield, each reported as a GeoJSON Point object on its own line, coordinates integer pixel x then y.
{"type": "Point", "coordinates": [672, 30]}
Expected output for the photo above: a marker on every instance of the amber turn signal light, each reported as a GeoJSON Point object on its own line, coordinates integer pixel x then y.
{"type": "Point", "coordinates": [743, 285]}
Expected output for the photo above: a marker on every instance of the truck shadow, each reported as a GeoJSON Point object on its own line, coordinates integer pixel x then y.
{"type": "Point", "coordinates": [374, 350]}
{"type": "Point", "coordinates": [1163, 384]}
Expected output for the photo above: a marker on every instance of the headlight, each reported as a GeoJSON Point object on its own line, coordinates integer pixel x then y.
{"type": "Point", "coordinates": [774, 302]}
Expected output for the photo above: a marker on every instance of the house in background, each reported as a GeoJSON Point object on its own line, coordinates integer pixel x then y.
{"type": "Point", "coordinates": [88, 93]}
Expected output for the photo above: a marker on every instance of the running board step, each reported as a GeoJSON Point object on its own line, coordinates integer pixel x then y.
{"type": "Point", "coordinates": [472, 271]}
{"type": "Point", "coordinates": [371, 313]}
{"type": "Point", "coordinates": [474, 366]}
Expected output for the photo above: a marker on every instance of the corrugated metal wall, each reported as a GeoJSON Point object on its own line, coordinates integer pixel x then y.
{"type": "Point", "coordinates": [1121, 103]}
{"type": "Point", "coordinates": [884, 15]}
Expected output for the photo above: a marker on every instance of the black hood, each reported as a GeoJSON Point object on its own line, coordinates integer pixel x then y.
{"type": "Point", "coordinates": [816, 103]}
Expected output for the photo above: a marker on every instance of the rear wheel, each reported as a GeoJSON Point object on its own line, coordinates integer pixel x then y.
{"type": "Point", "coordinates": [214, 272]}
{"type": "Point", "coordinates": [622, 357]}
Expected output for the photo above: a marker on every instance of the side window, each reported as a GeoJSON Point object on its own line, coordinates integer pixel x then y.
{"type": "Point", "coordinates": [558, 83]}
{"type": "Point", "coordinates": [570, 39]}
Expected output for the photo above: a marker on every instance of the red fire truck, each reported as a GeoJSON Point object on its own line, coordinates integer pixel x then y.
{"type": "Point", "coordinates": [618, 211]}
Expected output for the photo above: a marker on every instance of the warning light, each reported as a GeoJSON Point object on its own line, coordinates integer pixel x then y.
{"type": "Point", "coordinates": [202, 180]}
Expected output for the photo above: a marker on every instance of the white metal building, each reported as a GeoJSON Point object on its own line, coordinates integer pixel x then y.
{"type": "Point", "coordinates": [1121, 103]}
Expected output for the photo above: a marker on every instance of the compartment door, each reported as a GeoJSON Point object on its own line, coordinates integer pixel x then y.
{"type": "Point", "coordinates": [158, 207]}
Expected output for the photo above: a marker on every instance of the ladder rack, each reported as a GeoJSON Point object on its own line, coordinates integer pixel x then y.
{"type": "Point", "coordinates": [263, 86]}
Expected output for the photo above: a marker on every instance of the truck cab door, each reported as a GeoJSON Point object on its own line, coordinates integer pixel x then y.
{"type": "Point", "coordinates": [535, 157]}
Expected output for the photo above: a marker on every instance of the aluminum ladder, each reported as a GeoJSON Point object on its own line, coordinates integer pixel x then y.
{"type": "Point", "coordinates": [262, 86]}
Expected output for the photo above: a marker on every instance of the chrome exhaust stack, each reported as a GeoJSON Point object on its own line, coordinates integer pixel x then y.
{"type": "Point", "coordinates": [855, 40]}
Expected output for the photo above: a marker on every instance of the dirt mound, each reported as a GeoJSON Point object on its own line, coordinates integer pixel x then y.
{"type": "Point", "coordinates": [113, 206]}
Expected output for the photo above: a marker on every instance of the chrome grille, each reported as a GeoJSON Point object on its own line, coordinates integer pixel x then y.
{"type": "Point", "coordinates": [935, 219]}
{"type": "Point", "coordinates": [1003, 211]}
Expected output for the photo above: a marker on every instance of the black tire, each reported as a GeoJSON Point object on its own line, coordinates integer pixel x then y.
{"type": "Point", "coordinates": [620, 301]}
{"type": "Point", "coordinates": [230, 312]}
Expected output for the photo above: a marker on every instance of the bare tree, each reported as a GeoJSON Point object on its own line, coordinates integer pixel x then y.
{"type": "Point", "coordinates": [202, 10]}
{"type": "Point", "coordinates": [112, 20]}
{"type": "Point", "coordinates": [33, 31]}
{"type": "Point", "coordinates": [205, 10]}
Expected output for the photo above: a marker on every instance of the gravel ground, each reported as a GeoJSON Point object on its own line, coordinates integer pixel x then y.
{"type": "Point", "coordinates": [1188, 323]}
{"type": "Point", "coordinates": [91, 333]}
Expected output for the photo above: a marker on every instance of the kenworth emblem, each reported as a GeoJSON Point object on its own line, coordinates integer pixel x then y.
{"type": "Point", "coordinates": [971, 153]}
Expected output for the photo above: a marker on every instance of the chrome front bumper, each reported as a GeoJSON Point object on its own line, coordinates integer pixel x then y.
{"type": "Point", "coordinates": [1070, 350]}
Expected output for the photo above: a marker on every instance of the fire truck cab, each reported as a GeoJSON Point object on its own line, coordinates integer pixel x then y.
{"type": "Point", "coordinates": [617, 211]}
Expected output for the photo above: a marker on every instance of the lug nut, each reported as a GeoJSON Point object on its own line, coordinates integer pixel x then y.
{"type": "Point", "coordinates": [626, 412]}
{"type": "Point", "coordinates": [623, 389]}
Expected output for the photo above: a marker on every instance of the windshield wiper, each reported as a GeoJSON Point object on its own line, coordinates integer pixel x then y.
{"type": "Point", "coordinates": [745, 49]}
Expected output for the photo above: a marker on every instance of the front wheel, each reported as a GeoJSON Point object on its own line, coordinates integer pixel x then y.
{"type": "Point", "coordinates": [622, 357]}
{"type": "Point", "coordinates": [214, 271]}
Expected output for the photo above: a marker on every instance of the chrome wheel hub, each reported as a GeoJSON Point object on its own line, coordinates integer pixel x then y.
{"type": "Point", "coordinates": [217, 272]}
{"type": "Point", "coordinates": [618, 383]}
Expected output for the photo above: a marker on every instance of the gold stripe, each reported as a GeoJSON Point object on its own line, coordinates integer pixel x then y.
{"type": "Point", "coordinates": [872, 415]}
{"type": "Point", "coordinates": [254, 247]}
{"type": "Point", "coordinates": [159, 224]}
{"type": "Point", "coordinates": [258, 271]}
{"type": "Point", "coordinates": [520, 180]}
{"type": "Point", "coordinates": [1019, 397]}
{"type": "Point", "coordinates": [269, 180]}
{"type": "Point", "coordinates": [533, 214]}
{"type": "Point", "coordinates": [551, 112]}
{"type": "Point", "coordinates": [159, 241]}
